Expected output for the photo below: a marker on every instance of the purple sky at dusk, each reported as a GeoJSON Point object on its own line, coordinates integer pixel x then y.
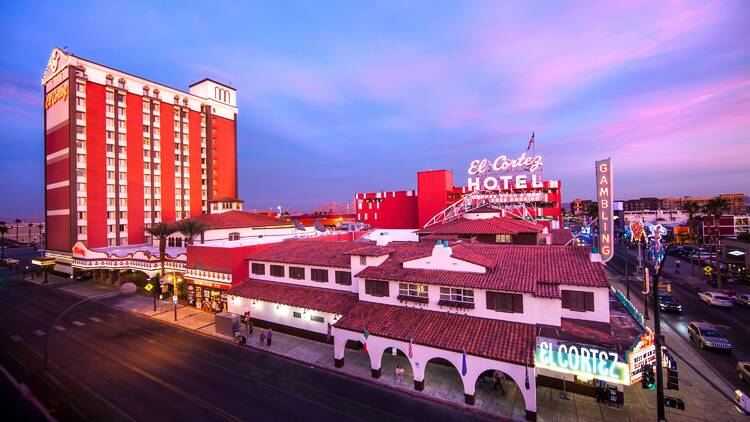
{"type": "Point", "coordinates": [340, 98]}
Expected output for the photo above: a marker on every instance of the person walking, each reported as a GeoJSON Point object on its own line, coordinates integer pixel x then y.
{"type": "Point", "coordinates": [262, 336]}
{"type": "Point", "coordinates": [269, 334]}
{"type": "Point", "coordinates": [399, 373]}
{"type": "Point", "coordinates": [498, 382]}
{"type": "Point", "coordinates": [249, 325]}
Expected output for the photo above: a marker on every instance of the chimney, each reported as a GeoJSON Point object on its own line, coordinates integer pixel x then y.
{"type": "Point", "coordinates": [442, 249]}
{"type": "Point", "coordinates": [383, 239]}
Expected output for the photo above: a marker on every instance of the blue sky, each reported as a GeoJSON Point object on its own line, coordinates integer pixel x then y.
{"type": "Point", "coordinates": [337, 98]}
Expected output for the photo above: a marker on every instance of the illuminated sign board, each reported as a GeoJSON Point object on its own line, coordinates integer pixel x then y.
{"type": "Point", "coordinates": [512, 198]}
{"type": "Point", "coordinates": [57, 61]}
{"type": "Point", "coordinates": [56, 95]}
{"type": "Point", "coordinates": [581, 360]}
{"type": "Point", "coordinates": [500, 173]}
{"type": "Point", "coordinates": [604, 199]}
{"type": "Point", "coordinates": [643, 353]}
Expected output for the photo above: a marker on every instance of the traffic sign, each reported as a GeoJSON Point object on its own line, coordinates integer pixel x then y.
{"type": "Point", "coordinates": [174, 299]}
{"type": "Point", "coordinates": [148, 287]}
{"type": "Point", "coordinates": [708, 269]}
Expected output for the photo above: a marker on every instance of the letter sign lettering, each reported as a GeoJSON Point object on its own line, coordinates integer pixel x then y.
{"type": "Point", "coordinates": [605, 195]}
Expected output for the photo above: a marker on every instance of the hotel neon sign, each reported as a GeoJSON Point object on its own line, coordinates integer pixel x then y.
{"type": "Point", "coordinates": [581, 360]}
{"type": "Point", "coordinates": [502, 164]}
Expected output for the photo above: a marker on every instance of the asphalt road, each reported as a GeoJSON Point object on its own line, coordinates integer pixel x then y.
{"type": "Point", "coordinates": [733, 323]}
{"type": "Point", "coordinates": [111, 365]}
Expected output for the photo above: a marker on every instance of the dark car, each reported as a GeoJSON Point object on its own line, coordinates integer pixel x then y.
{"type": "Point", "coordinates": [668, 304]}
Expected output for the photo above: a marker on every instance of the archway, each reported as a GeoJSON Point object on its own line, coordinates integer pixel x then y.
{"type": "Point", "coordinates": [443, 380]}
{"type": "Point", "coordinates": [388, 363]}
{"type": "Point", "coordinates": [506, 399]}
{"type": "Point", "coordinates": [357, 359]}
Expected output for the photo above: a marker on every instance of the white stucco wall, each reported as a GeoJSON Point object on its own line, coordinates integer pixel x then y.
{"type": "Point", "coordinates": [281, 314]}
{"type": "Point", "coordinates": [331, 284]}
{"type": "Point", "coordinates": [601, 304]}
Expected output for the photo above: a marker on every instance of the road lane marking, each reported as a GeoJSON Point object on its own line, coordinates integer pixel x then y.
{"type": "Point", "coordinates": [59, 328]}
{"type": "Point", "coordinates": [39, 333]}
{"type": "Point", "coordinates": [78, 323]}
{"type": "Point", "coordinates": [95, 319]}
{"type": "Point", "coordinates": [16, 338]}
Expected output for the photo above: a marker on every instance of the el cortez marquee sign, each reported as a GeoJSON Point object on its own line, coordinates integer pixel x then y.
{"type": "Point", "coordinates": [604, 198]}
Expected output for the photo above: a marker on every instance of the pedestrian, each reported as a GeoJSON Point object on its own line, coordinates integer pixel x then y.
{"type": "Point", "coordinates": [269, 334]}
{"type": "Point", "coordinates": [498, 382]}
{"type": "Point", "coordinates": [677, 265]}
{"type": "Point", "coordinates": [249, 328]}
{"type": "Point", "coordinates": [399, 373]}
{"type": "Point", "coordinates": [262, 336]}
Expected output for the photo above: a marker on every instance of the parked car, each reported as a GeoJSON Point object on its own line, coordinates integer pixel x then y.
{"type": "Point", "coordinates": [743, 300]}
{"type": "Point", "coordinates": [716, 299]}
{"type": "Point", "coordinates": [743, 371]}
{"type": "Point", "coordinates": [668, 304]}
{"type": "Point", "coordinates": [708, 337]}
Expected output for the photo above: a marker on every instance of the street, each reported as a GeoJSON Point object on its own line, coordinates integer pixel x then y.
{"type": "Point", "coordinates": [733, 323]}
{"type": "Point", "coordinates": [106, 364]}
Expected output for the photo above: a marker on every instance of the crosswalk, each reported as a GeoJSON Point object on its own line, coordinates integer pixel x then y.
{"type": "Point", "coordinates": [18, 338]}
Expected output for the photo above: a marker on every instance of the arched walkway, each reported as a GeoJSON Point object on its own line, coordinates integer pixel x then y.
{"type": "Point", "coordinates": [501, 397]}
{"type": "Point", "coordinates": [388, 363]}
{"type": "Point", "coordinates": [442, 379]}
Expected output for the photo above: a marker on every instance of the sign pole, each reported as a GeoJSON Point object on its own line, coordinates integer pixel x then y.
{"type": "Point", "coordinates": [627, 274]}
{"type": "Point", "coordinates": [657, 343]}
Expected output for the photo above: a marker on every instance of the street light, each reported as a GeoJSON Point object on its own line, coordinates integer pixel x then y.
{"type": "Point", "coordinates": [125, 289]}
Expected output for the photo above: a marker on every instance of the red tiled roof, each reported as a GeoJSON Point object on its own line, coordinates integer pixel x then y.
{"type": "Point", "coordinates": [560, 236]}
{"type": "Point", "coordinates": [517, 268]}
{"type": "Point", "coordinates": [226, 199]}
{"type": "Point", "coordinates": [459, 251]}
{"type": "Point", "coordinates": [372, 250]}
{"type": "Point", "coordinates": [239, 219]}
{"type": "Point", "coordinates": [551, 290]}
{"type": "Point", "coordinates": [309, 252]}
{"type": "Point", "coordinates": [323, 300]}
{"type": "Point", "coordinates": [489, 338]}
{"type": "Point", "coordinates": [494, 225]}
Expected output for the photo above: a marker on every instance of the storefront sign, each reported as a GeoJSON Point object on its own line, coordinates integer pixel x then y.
{"type": "Point", "coordinates": [57, 61]}
{"type": "Point", "coordinates": [581, 360]}
{"type": "Point", "coordinates": [644, 352]}
{"type": "Point", "coordinates": [56, 95]}
{"type": "Point", "coordinates": [512, 198]}
{"type": "Point", "coordinates": [604, 197]}
{"type": "Point", "coordinates": [509, 167]}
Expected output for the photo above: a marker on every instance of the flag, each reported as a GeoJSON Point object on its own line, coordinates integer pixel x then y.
{"type": "Point", "coordinates": [531, 142]}
{"type": "Point", "coordinates": [463, 365]}
{"type": "Point", "coordinates": [366, 334]}
{"type": "Point", "coordinates": [411, 341]}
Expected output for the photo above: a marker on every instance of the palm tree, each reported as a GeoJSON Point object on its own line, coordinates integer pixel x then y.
{"type": "Point", "coordinates": [40, 226]}
{"type": "Point", "coordinates": [191, 228]}
{"type": "Point", "coordinates": [161, 231]}
{"type": "Point", "coordinates": [31, 225]}
{"type": "Point", "coordinates": [3, 230]}
{"type": "Point", "coordinates": [691, 208]}
{"type": "Point", "coordinates": [18, 224]}
{"type": "Point", "coordinates": [715, 207]}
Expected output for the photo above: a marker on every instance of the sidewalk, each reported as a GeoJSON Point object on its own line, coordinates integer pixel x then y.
{"type": "Point", "coordinates": [443, 385]}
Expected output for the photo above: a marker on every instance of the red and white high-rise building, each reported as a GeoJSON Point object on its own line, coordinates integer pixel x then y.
{"type": "Point", "coordinates": [122, 152]}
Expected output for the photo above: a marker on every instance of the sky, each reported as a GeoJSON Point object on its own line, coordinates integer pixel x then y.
{"type": "Point", "coordinates": [337, 98]}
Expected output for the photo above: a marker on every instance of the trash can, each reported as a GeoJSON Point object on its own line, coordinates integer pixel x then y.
{"type": "Point", "coordinates": [227, 324]}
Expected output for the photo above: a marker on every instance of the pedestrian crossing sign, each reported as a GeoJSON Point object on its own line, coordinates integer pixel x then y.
{"type": "Point", "coordinates": [148, 287]}
{"type": "Point", "coordinates": [708, 269]}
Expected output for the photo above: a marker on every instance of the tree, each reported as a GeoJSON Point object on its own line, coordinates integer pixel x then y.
{"type": "Point", "coordinates": [40, 226]}
{"type": "Point", "coordinates": [715, 207]}
{"type": "Point", "coordinates": [161, 231]}
{"type": "Point", "coordinates": [691, 208]}
{"type": "Point", "coordinates": [191, 228]}
{"type": "Point", "coordinates": [3, 230]}
{"type": "Point", "coordinates": [18, 224]}
{"type": "Point", "coordinates": [31, 225]}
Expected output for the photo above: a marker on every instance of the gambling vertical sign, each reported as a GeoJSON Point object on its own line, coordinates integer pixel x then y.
{"type": "Point", "coordinates": [604, 198]}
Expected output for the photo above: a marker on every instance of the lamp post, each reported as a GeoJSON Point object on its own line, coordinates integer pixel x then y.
{"type": "Point", "coordinates": [125, 289]}
{"type": "Point", "coordinates": [659, 266]}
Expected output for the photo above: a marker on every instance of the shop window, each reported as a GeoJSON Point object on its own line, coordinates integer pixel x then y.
{"type": "Point", "coordinates": [344, 278]}
{"type": "Point", "coordinates": [297, 315]}
{"type": "Point", "coordinates": [578, 301]}
{"type": "Point", "coordinates": [297, 273]}
{"type": "Point", "coordinates": [505, 302]}
{"type": "Point", "coordinates": [317, 318]}
{"type": "Point", "coordinates": [234, 236]}
{"type": "Point", "coordinates": [319, 275]}
{"type": "Point", "coordinates": [376, 288]}
{"type": "Point", "coordinates": [277, 270]}
{"type": "Point", "coordinates": [258, 269]}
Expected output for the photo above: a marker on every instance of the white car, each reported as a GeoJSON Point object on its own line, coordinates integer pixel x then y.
{"type": "Point", "coordinates": [716, 299]}
{"type": "Point", "coordinates": [743, 300]}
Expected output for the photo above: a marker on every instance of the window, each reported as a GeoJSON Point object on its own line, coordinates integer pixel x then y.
{"type": "Point", "coordinates": [503, 238]}
{"type": "Point", "coordinates": [81, 215]}
{"type": "Point", "coordinates": [362, 260]}
{"type": "Point", "coordinates": [80, 115]}
{"type": "Point", "coordinates": [232, 236]}
{"type": "Point", "coordinates": [81, 229]}
{"type": "Point", "coordinates": [81, 102]}
{"type": "Point", "coordinates": [277, 270]}
{"type": "Point", "coordinates": [316, 318]}
{"type": "Point", "coordinates": [344, 277]}
{"type": "Point", "coordinates": [110, 148]}
{"type": "Point", "coordinates": [258, 269]}
{"type": "Point", "coordinates": [319, 275]}
{"type": "Point", "coordinates": [297, 315]}
{"type": "Point", "coordinates": [505, 302]}
{"type": "Point", "coordinates": [297, 273]}
{"type": "Point", "coordinates": [80, 130]}
{"type": "Point", "coordinates": [577, 301]}
{"type": "Point", "coordinates": [410, 292]}
{"type": "Point", "coordinates": [376, 288]}
{"type": "Point", "coordinates": [462, 298]}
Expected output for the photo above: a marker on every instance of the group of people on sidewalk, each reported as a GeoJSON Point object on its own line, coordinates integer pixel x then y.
{"type": "Point", "coordinates": [263, 336]}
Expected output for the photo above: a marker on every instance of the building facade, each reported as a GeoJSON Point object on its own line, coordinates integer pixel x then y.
{"type": "Point", "coordinates": [435, 192]}
{"type": "Point", "coordinates": [122, 152]}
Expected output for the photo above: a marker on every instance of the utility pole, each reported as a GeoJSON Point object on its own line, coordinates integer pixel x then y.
{"type": "Point", "coordinates": [627, 274]}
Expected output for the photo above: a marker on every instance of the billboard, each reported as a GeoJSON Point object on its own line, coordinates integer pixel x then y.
{"type": "Point", "coordinates": [604, 198]}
